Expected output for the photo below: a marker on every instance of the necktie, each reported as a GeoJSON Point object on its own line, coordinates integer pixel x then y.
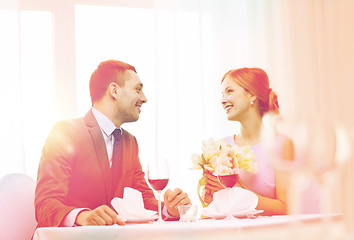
{"type": "Point", "coordinates": [116, 158]}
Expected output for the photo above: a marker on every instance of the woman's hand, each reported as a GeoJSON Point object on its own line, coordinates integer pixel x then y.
{"type": "Point", "coordinates": [212, 182]}
{"type": "Point", "coordinates": [213, 185]}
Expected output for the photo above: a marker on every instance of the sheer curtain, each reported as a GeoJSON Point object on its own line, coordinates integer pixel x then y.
{"type": "Point", "coordinates": [11, 129]}
{"type": "Point", "coordinates": [185, 47]}
{"type": "Point", "coordinates": [304, 46]}
{"type": "Point", "coordinates": [27, 86]}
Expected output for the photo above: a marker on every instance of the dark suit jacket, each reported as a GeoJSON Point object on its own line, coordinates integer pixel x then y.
{"type": "Point", "coordinates": [74, 171]}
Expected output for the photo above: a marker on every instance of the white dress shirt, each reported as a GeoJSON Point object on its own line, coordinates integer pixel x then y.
{"type": "Point", "coordinates": [107, 128]}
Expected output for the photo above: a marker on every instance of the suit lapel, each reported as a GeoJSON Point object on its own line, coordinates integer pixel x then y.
{"type": "Point", "coordinates": [101, 152]}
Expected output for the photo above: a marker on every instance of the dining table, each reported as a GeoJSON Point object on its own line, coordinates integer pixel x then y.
{"type": "Point", "coordinates": [305, 226]}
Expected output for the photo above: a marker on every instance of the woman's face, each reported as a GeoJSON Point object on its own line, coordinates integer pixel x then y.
{"type": "Point", "coordinates": [235, 99]}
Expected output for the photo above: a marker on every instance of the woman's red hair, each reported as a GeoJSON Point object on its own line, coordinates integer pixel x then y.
{"type": "Point", "coordinates": [255, 81]}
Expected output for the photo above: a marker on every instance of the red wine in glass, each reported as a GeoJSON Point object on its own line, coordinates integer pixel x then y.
{"type": "Point", "coordinates": [158, 184]}
{"type": "Point", "coordinates": [228, 181]}
{"type": "Point", "coordinates": [228, 177]}
{"type": "Point", "coordinates": [158, 176]}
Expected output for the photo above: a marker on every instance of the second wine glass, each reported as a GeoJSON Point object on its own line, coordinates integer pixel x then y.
{"type": "Point", "coordinates": [228, 176]}
{"type": "Point", "coordinates": [158, 177]}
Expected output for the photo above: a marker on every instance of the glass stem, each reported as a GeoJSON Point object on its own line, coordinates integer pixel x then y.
{"type": "Point", "coordinates": [159, 205]}
{"type": "Point", "coordinates": [229, 198]}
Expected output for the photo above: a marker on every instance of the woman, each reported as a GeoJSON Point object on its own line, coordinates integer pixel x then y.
{"type": "Point", "coordinates": [246, 97]}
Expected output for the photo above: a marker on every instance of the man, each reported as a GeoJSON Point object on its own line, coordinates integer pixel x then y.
{"type": "Point", "coordinates": [78, 175]}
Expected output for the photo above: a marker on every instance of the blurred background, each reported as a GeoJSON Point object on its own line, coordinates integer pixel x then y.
{"type": "Point", "coordinates": [181, 49]}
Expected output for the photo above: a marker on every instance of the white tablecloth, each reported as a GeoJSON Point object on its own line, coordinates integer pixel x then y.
{"type": "Point", "coordinates": [202, 229]}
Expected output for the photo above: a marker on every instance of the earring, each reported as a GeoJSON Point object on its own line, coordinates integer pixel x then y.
{"type": "Point", "coordinates": [252, 103]}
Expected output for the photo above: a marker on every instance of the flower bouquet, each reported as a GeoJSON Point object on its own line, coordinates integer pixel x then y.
{"type": "Point", "coordinates": [219, 151]}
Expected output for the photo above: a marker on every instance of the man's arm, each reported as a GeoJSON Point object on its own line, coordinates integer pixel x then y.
{"type": "Point", "coordinates": [102, 215]}
{"type": "Point", "coordinates": [172, 199]}
{"type": "Point", "coordinates": [53, 178]}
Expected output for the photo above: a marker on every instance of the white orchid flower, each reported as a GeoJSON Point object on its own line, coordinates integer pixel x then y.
{"type": "Point", "coordinates": [197, 161]}
{"type": "Point", "coordinates": [230, 157]}
{"type": "Point", "coordinates": [210, 148]}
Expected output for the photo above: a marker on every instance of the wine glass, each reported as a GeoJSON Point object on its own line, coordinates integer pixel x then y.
{"type": "Point", "coordinates": [309, 173]}
{"type": "Point", "coordinates": [158, 177]}
{"type": "Point", "coordinates": [228, 176]}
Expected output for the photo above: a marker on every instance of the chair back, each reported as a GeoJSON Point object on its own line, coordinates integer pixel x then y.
{"type": "Point", "coordinates": [17, 220]}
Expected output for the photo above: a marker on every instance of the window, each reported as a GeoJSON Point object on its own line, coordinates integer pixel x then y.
{"type": "Point", "coordinates": [28, 95]}
{"type": "Point", "coordinates": [125, 34]}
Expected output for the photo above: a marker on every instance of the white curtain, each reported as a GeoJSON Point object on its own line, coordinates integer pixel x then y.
{"type": "Point", "coordinates": [27, 87]}
{"type": "Point", "coordinates": [305, 46]}
{"type": "Point", "coordinates": [11, 148]}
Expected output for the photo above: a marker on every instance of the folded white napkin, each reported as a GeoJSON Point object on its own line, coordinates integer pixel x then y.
{"type": "Point", "coordinates": [243, 202]}
{"type": "Point", "coordinates": [131, 206]}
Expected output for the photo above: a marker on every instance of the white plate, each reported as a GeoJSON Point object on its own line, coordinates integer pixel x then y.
{"type": "Point", "coordinates": [141, 220]}
{"type": "Point", "coordinates": [241, 214]}
{"type": "Point", "coordinates": [247, 213]}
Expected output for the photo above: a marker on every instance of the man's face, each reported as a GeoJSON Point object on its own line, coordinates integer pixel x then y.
{"type": "Point", "coordinates": [130, 97]}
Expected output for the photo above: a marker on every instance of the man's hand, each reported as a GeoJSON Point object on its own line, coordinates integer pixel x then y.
{"type": "Point", "coordinates": [102, 215]}
{"type": "Point", "coordinates": [172, 199]}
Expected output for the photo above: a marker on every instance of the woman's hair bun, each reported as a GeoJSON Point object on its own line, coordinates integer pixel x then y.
{"type": "Point", "coordinates": [273, 105]}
